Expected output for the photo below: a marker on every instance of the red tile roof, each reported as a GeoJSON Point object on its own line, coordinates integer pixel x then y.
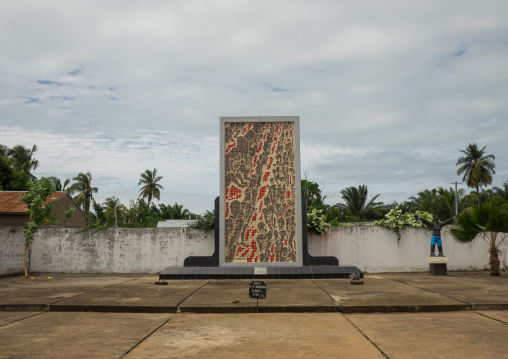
{"type": "Point", "coordinates": [10, 201]}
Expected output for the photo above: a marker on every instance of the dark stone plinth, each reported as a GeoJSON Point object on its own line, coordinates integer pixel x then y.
{"type": "Point", "coordinates": [309, 260]}
{"type": "Point", "coordinates": [438, 269]}
{"type": "Point", "coordinates": [304, 272]}
{"type": "Point", "coordinates": [213, 260]}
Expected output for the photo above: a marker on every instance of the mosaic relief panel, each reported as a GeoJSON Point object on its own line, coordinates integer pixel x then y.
{"type": "Point", "coordinates": [260, 198]}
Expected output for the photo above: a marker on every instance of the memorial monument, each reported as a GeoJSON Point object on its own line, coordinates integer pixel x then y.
{"type": "Point", "coordinates": [260, 218]}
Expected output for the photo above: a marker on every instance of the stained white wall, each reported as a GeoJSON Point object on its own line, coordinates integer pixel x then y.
{"type": "Point", "coordinates": [375, 249]}
{"type": "Point", "coordinates": [11, 250]}
{"type": "Point", "coordinates": [115, 250]}
{"type": "Point", "coordinates": [149, 250]}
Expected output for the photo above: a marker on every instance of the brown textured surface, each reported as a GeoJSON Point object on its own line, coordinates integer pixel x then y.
{"type": "Point", "coordinates": [13, 211]}
{"type": "Point", "coordinates": [10, 201]}
{"type": "Point", "coordinates": [260, 225]}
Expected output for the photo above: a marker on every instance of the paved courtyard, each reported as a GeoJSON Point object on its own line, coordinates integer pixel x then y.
{"type": "Point", "coordinates": [463, 315]}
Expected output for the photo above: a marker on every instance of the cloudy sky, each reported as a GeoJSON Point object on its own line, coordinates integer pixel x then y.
{"type": "Point", "coordinates": [388, 92]}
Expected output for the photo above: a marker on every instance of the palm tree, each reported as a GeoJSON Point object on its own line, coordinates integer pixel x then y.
{"type": "Point", "coordinates": [489, 222]}
{"type": "Point", "coordinates": [83, 185]}
{"type": "Point", "coordinates": [502, 192]}
{"type": "Point", "coordinates": [437, 201]}
{"type": "Point", "coordinates": [356, 201]}
{"type": "Point", "coordinates": [113, 206]}
{"type": "Point", "coordinates": [58, 184]}
{"type": "Point", "coordinates": [477, 167]}
{"type": "Point", "coordinates": [151, 188]}
{"type": "Point", "coordinates": [179, 212]}
{"type": "Point", "coordinates": [23, 160]}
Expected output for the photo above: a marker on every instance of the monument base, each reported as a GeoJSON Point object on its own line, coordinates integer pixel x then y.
{"type": "Point", "coordinates": [437, 265]}
{"type": "Point", "coordinates": [208, 267]}
{"type": "Point", "coordinates": [300, 272]}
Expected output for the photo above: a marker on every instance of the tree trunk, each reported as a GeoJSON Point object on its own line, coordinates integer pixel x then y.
{"type": "Point", "coordinates": [494, 261]}
{"type": "Point", "coordinates": [25, 264]}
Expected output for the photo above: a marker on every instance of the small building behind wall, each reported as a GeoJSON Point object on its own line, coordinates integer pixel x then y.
{"type": "Point", "coordinates": [13, 211]}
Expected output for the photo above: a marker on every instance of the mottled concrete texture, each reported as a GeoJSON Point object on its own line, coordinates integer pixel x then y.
{"type": "Point", "coordinates": [127, 315]}
{"type": "Point", "coordinates": [282, 295]}
{"type": "Point", "coordinates": [384, 295]}
{"type": "Point", "coordinates": [479, 289]}
{"type": "Point", "coordinates": [76, 335]}
{"type": "Point", "coordinates": [435, 335]}
{"type": "Point", "coordinates": [323, 335]}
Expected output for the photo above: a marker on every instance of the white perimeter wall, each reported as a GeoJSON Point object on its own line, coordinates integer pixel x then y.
{"type": "Point", "coordinates": [375, 249]}
{"type": "Point", "coordinates": [149, 250]}
{"type": "Point", "coordinates": [120, 250]}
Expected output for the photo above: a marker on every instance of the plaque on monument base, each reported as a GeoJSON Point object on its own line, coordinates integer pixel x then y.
{"type": "Point", "coordinates": [437, 265]}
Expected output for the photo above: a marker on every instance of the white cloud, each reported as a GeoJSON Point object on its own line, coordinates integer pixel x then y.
{"type": "Point", "coordinates": [387, 92]}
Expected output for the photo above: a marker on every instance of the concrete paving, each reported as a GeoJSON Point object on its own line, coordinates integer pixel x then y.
{"type": "Point", "coordinates": [38, 293]}
{"type": "Point", "coordinates": [270, 335]}
{"type": "Point", "coordinates": [77, 335]}
{"type": "Point", "coordinates": [478, 289]}
{"type": "Point", "coordinates": [232, 296]}
{"type": "Point", "coordinates": [138, 296]}
{"type": "Point", "coordinates": [113, 316]}
{"type": "Point", "coordinates": [435, 335]}
{"type": "Point", "coordinates": [379, 294]}
{"type": "Point", "coordinates": [137, 293]}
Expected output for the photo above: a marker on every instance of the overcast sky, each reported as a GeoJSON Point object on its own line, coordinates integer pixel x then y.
{"type": "Point", "coordinates": [388, 92]}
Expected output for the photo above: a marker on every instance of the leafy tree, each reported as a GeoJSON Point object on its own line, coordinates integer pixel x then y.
{"type": "Point", "coordinates": [38, 213]}
{"type": "Point", "coordinates": [357, 202]}
{"type": "Point", "coordinates": [334, 216]}
{"type": "Point", "coordinates": [495, 193]}
{"type": "Point", "coordinates": [4, 150]}
{"type": "Point", "coordinates": [477, 167]}
{"type": "Point", "coordinates": [468, 201]}
{"type": "Point", "coordinates": [6, 174]}
{"type": "Point", "coordinates": [23, 160]}
{"type": "Point", "coordinates": [312, 194]}
{"type": "Point", "coordinates": [150, 187]}
{"type": "Point", "coordinates": [490, 223]}
{"type": "Point", "coordinates": [83, 185]}
{"type": "Point", "coordinates": [442, 208]}
{"type": "Point", "coordinates": [11, 180]}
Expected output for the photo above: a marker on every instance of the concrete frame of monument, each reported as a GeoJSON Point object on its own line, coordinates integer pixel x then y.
{"type": "Point", "coordinates": [242, 121]}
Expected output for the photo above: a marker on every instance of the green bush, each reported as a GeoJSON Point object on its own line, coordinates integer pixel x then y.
{"type": "Point", "coordinates": [206, 222]}
{"type": "Point", "coordinates": [316, 221]}
{"type": "Point", "coordinates": [396, 220]}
